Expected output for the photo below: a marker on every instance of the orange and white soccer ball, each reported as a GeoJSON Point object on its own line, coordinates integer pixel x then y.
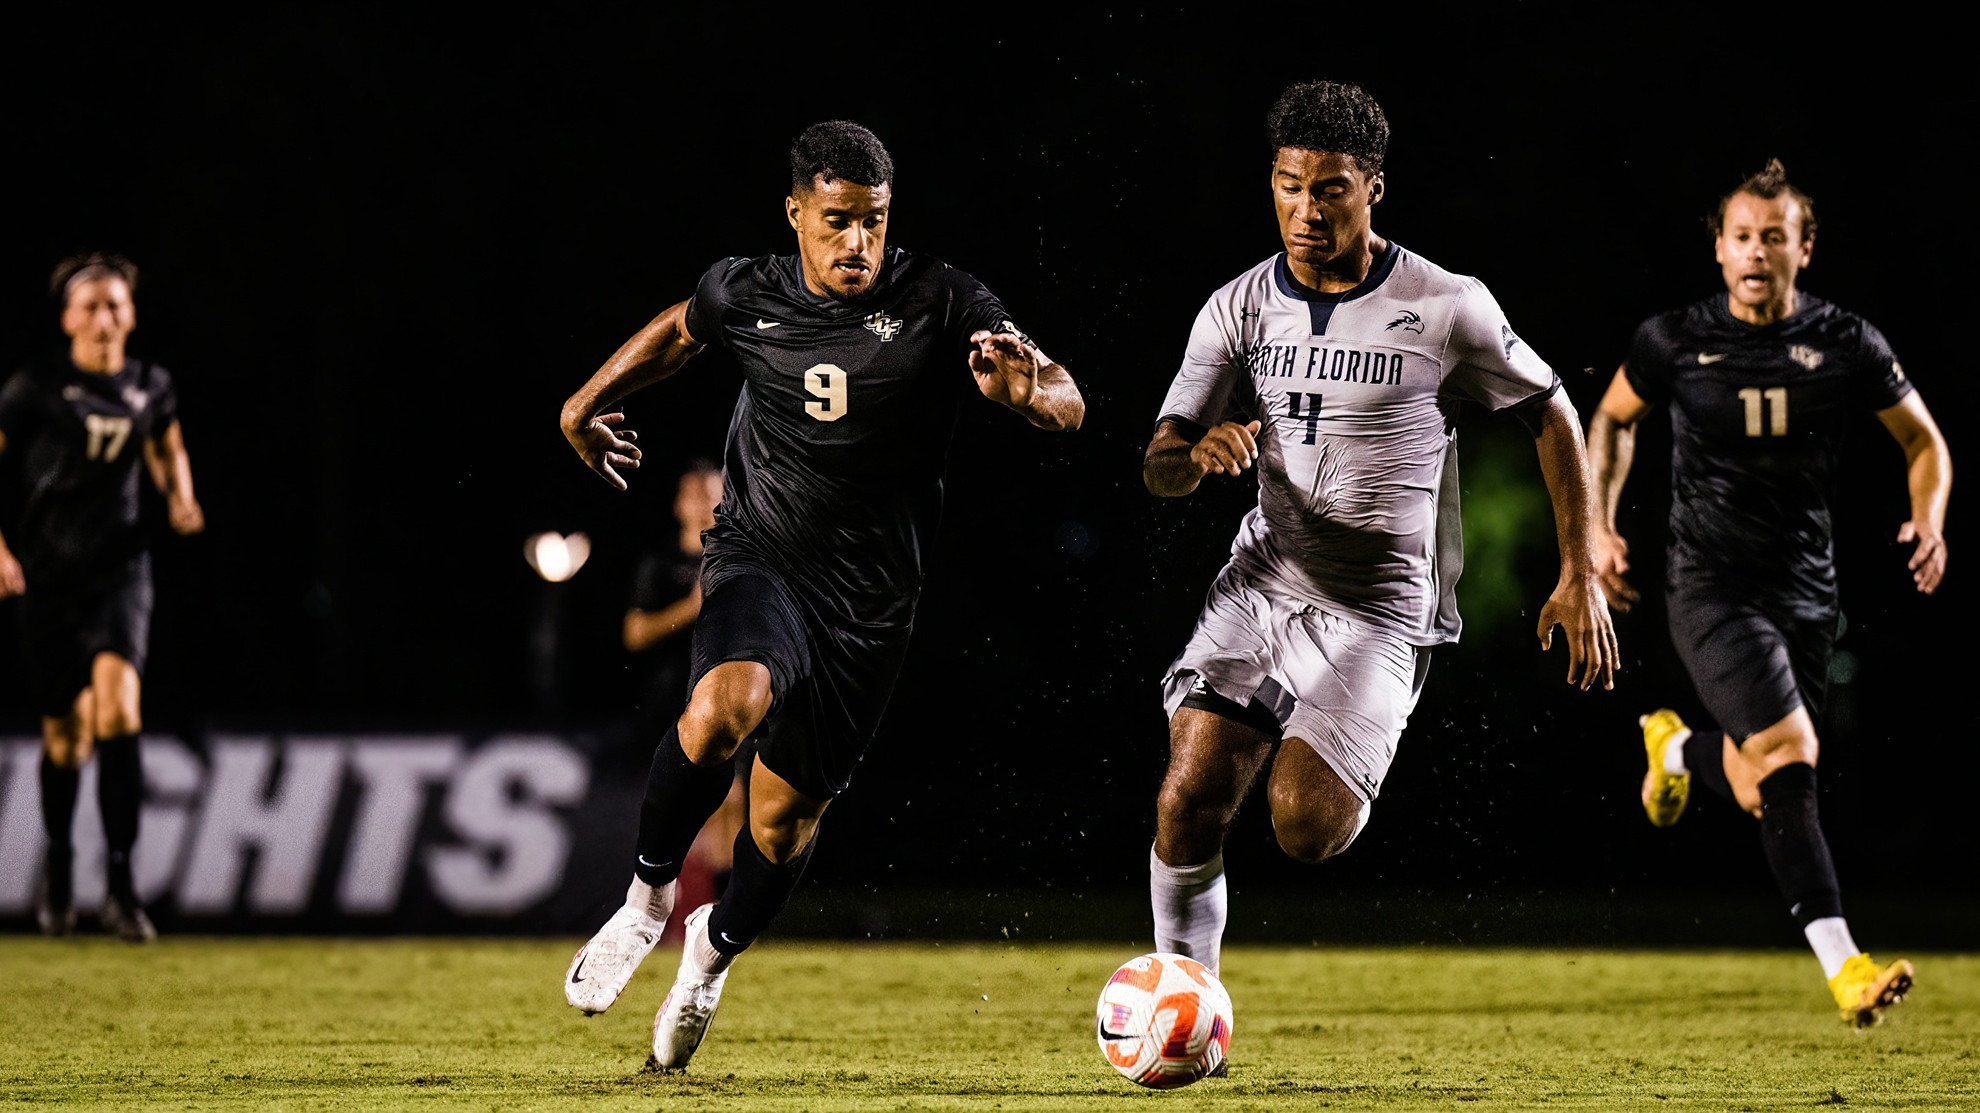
{"type": "Point", "coordinates": [1164, 1020]}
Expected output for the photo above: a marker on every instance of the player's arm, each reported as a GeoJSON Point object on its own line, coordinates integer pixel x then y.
{"type": "Point", "coordinates": [1176, 462]}
{"type": "Point", "coordinates": [1611, 451]}
{"type": "Point", "coordinates": [1577, 605]}
{"type": "Point", "coordinates": [645, 629]}
{"type": "Point", "coordinates": [1011, 372]}
{"type": "Point", "coordinates": [1928, 474]}
{"type": "Point", "coordinates": [12, 580]}
{"type": "Point", "coordinates": [653, 353]}
{"type": "Point", "coordinates": [165, 457]}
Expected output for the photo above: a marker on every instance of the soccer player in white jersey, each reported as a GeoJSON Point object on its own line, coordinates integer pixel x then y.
{"type": "Point", "coordinates": [1336, 367]}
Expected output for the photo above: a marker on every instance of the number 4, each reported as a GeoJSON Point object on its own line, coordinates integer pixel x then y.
{"type": "Point", "coordinates": [1776, 397]}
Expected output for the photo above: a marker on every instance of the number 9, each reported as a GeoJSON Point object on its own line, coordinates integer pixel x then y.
{"type": "Point", "coordinates": [828, 382]}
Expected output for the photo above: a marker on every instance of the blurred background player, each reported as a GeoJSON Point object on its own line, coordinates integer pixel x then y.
{"type": "Point", "coordinates": [666, 599]}
{"type": "Point", "coordinates": [1762, 383]}
{"type": "Point", "coordinates": [1336, 367]}
{"type": "Point", "coordinates": [80, 564]}
{"type": "Point", "coordinates": [853, 356]}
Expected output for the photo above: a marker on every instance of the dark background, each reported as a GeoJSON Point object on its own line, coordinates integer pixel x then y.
{"type": "Point", "coordinates": [378, 252]}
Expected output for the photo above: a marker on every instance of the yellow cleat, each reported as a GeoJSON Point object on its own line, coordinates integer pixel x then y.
{"type": "Point", "coordinates": [1864, 990]}
{"type": "Point", "coordinates": [1664, 794]}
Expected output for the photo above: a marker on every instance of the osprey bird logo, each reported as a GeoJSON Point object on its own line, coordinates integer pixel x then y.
{"type": "Point", "coordinates": [1506, 336]}
{"type": "Point", "coordinates": [1408, 322]}
{"type": "Point", "coordinates": [883, 326]}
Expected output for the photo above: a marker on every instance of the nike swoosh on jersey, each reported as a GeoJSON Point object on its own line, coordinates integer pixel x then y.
{"type": "Point", "coordinates": [1707, 357]}
{"type": "Point", "coordinates": [761, 323]}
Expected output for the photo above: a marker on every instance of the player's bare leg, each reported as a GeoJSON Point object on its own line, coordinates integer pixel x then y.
{"type": "Point", "coordinates": [1315, 815]}
{"type": "Point", "coordinates": [771, 853]}
{"type": "Point", "coordinates": [689, 779]}
{"type": "Point", "coordinates": [119, 791]}
{"type": "Point", "coordinates": [66, 743]}
{"type": "Point", "coordinates": [1212, 764]}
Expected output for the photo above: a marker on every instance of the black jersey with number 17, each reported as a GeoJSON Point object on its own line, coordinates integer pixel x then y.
{"type": "Point", "coordinates": [1758, 414]}
{"type": "Point", "coordinates": [832, 474]}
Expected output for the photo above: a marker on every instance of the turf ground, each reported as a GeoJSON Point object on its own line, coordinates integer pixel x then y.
{"type": "Point", "coordinates": [238, 1023]}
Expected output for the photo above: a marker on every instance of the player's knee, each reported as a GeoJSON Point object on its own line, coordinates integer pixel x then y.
{"type": "Point", "coordinates": [1183, 802]}
{"type": "Point", "coordinates": [1313, 838]}
{"type": "Point", "coordinates": [65, 741]}
{"type": "Point", "coordinates": [722, 712]}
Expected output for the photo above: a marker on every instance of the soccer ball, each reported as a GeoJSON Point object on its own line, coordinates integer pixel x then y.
{"type": "Point", "coordinates": [1164, 1020]}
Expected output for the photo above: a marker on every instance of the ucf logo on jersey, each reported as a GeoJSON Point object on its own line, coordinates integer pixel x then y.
{"type": "Point", "coordinates": [883, 326]}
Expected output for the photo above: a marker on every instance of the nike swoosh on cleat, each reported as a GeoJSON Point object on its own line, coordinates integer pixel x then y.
{"type": "Point", "coordinates": [761, 323]}
{"type": "Point", "coordinates": [577, 972]}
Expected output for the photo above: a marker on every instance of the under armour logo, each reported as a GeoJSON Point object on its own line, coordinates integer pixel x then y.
{"type": "Point", "coordinates": [883, 326]}
{"type": "Point", "coordinates": [1246, 313]}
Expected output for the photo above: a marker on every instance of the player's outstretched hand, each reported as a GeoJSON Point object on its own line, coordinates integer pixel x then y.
{"type": "Point", "coordinates": [604, 446]}
{"type": "Point", "coordinates": [1928, 561]}
{"type": "Point", "coordinates": [1228, 449]}
{"type": "Point", "coordinates": [1578, 608]}
{"type": "Point", "coordinates": [12, 580]}
{"type": "Point", "coordinates": [1005, 367]}
{"type": "Point", "coordinates": [1611, 561]}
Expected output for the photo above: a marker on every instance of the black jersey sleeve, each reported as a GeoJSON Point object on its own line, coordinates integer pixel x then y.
{"type": "Point", "coordinates": [164, 401]}
{"type": "Point", "coordinates": [712, 296]}
{"type": "Point", "coordinates": [1877, 379]}
{"type": "Point", "coordinates": [1648, 364]}
{"type": "Point", "coordinates": [974, 308]}
{"type": "Point", "coordinates": [17, 406]}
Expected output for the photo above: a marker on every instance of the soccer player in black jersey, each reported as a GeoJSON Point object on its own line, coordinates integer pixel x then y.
{"type": "Point", "coordinates": [1762, 382]}
{"type": "Point", "coordinates": [82, 427]}
{"type": "Point", "coordinates": [853, 356]}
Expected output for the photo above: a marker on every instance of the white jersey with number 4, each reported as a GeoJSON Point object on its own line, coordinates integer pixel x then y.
{"type": "Point", "coordinates": [1357, 395]}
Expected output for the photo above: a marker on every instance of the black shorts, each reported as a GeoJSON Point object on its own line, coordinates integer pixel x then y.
{"type": "Point", "coordinates": [1753, 656]}
{"type": "Point", "coordinates": [829, 683]}
{"type": "Point", "coordinates": [65, 626]}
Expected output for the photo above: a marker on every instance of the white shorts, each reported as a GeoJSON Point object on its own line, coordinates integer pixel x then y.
{"type": "Point", "coordinates": [1342, 687]}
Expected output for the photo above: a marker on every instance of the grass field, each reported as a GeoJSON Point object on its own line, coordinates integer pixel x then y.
{"type": "Point", "coordinates": [238, 1023]}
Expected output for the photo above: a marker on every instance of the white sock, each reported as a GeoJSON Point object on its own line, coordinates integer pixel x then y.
{"type": "Point", "coordinates": [1190, 906]}
{"type": "Point", "coordinates": [1833, 946]}
{"type": "Point", "coordinates": [1674, 754]}
{"type": "Point", "coordinates": [654, 904]}
{"type": "Point", "coordinates": [704, 955]}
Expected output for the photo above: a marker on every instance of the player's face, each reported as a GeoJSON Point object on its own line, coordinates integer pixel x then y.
{"type": "Point", "coordinates": [1323, 200]}
{"type": "Point", "coordinates": [1761, 249]}
{"type": "Point", "coordinates": [842, 229]}
{"type": "Point", "coordinates": [100, 311]}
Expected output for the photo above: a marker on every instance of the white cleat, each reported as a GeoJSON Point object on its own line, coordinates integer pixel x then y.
{"type": "Point", "coordinates": [601, 968]}
{"type": "Point", "coordinates": [683, 1017]}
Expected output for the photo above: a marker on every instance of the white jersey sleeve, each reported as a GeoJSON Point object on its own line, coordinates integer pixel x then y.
{"type": "Point", "coordinates": [1214, 382]}
{"type": "Point", "coordinates": [1493, 366]}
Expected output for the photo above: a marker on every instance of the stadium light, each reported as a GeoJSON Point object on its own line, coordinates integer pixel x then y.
{"type": "Point", "coordinates": [556, 557]}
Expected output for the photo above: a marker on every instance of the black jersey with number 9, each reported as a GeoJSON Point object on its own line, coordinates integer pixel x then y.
{"type": "Point", "coordinates": [833, 468]}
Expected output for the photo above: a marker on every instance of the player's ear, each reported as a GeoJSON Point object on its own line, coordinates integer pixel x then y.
{"type": "Point", "coordinates": [1377, 185]}
{"type": "Point", "coordinates": [791, 209]}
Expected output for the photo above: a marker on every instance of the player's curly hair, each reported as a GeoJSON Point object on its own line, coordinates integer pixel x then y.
{"type": "Point", "coordinates": [88, 265]}
{"type": "Point", "coordinates": [1329, 116]}
{"type": "Point", "coordinates": [1768, 184]}
{"type": "Point", "coordinates": [838, 149]}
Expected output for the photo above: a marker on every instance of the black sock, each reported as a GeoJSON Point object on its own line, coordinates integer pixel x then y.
{"type": "Point", "coordinates": [758, 889]}
{"type": "Point", "coordinates": [1791, 835]}
{"type": "Point", "coordinates": [119, 793]}
{"type": "Point", "coordinates": [680, 796]}
{"type": "Point", "coordinates": [58, 818]}
{"type": "Point", "coordinates": [1705, 756]}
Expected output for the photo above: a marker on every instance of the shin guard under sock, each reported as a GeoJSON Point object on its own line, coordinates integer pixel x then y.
{"type": "Point", "coordinates": [680, 796]}
{"type": "Point", "coordinates": [1705, 757]}
{"type": "Point", "coordinates": [1791, 835]}
{"type": "Point", "coordinates": [1190, 905]}
{"type": "Point", "coordinates": [758, 889]}
{"type": "Point", "coordinates": [119, 794]}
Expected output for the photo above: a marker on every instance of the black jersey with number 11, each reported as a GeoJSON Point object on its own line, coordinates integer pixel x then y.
{"type": "Point", "coordinates": [1758, 414]}
{"type": "Point", "coordinates": [833, 468]}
